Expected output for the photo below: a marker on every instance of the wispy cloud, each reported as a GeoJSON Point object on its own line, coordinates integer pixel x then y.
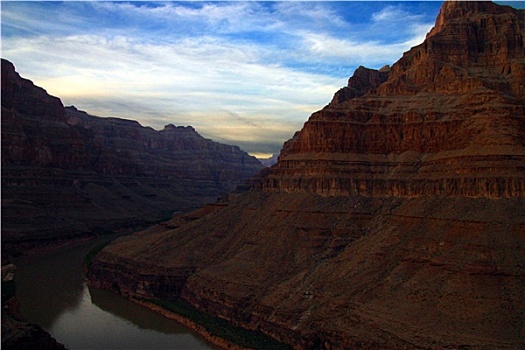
{"type": "Point", "coordinates": [246, 73]}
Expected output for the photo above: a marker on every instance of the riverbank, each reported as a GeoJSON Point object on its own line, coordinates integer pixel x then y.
{"type": "Point", "coordinates": [11, 251]}
{"type": "Point", "coordinates": [200, 330]}
{"type": "Point", "coordinates": [214, 330]}
{"type": "Point", "coordinates": [53, 292]}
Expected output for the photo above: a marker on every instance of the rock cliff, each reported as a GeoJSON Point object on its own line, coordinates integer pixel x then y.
{"type": "Point", "coordinates": [392, 220]}
{"type": "Point", "coordinates": [67, 174]}
{"type": "Point", "coordinates": [446, 120]}
{"type": "Point", "coordinates": [363, 81]}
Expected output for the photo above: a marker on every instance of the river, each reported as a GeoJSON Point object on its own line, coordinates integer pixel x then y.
{"type": "Point", "coordinates": [53, 292]}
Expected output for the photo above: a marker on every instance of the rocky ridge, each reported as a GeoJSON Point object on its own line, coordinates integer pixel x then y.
{"type": "Point", "coordinates": [67, 174]}
{"type": "Point", "coordinates": [392, 220]}
{"type": "Point", "coordinates": [446, 120]}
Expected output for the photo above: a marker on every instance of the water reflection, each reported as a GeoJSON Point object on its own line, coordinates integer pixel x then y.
{"type": "Point", "coordinates": [54, 294]}
{"type": "Point", "coordinates": [56, 279]}
{"type": "Point", "coordinates": [140, 316]}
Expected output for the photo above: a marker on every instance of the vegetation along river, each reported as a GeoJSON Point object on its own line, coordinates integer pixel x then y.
{"type": "Point", "coordinates": [53, 293]}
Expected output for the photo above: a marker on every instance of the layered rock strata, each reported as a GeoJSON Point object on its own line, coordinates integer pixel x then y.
{"type": "Point", "coordinates": [67, 174]}
{"type": "Point", "coordinates": [448, 120]}
{"type": "Point", "coordinates": [392, 220]}
{"type": "Point", "coordinates": [341, 273]}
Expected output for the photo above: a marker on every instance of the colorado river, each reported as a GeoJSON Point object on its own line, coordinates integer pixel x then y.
{"type": "Point", "coordinates": [53, 293]}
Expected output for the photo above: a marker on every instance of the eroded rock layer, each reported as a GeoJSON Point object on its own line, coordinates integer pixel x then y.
{"type": "Point", "coordinates": [343, 273]}
{"type": "Point", "coordinates": [448, 120]}
{"type": "Point", "coordinates": [67, 174]}
{"type": "Point", "coordinates": [392, 220]}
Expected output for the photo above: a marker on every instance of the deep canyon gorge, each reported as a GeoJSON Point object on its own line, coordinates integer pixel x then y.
{"type": "Point", "coordinates": [67, 175]}
{"type": "Point", "coordinates": [392, 220]}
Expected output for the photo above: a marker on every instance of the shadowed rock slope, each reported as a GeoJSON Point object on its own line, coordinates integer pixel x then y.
{"type": "Point", "coordinates": [392, 220]}
{"type": "Point", "coordinates": [67, 174]}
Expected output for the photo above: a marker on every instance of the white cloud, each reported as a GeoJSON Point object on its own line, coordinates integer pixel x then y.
{"type": "Point", "coordinates": [395, 24]}
{"type": "Point", "coordinates": [309, 14]}
{"type": "Point", "coordinates": [239, 72]}
{"type": "Point", "coordinates": [188, 83]}
{"type": "Point", "coordinates": [391, 13]}
{"type": "Point", "coordinates": [219, 17]}
{"type": "Point", "coordinates": [369, 53]}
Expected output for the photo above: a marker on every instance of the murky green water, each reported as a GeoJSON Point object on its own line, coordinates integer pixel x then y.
{"type": "Point", "coordinates": [53, 292]}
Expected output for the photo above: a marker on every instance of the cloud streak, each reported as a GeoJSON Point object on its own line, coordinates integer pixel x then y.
{"type": "Point", "coordinates": [246, 73]}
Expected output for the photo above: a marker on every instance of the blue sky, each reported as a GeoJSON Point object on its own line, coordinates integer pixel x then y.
{"type": "Point", "coordinates": [244, 73]}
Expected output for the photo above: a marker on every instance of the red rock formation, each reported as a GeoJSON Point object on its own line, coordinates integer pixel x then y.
{"type": "Point", "coordinates": [448, 121]}
{"type": "Point", "coordinates": [392, 220]}
{"type": "Point", "coordinates": [363, 81]}
{"type": "Point", "coordinates": [66, 174]}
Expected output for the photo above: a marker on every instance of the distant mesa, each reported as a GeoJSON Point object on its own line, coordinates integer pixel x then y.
{"type": "Point", "coordinates": [68, 175]}
{"type": "Point", "coordinates": [392, 220]}
{"type": "Point", "coordinates": [169, 127]}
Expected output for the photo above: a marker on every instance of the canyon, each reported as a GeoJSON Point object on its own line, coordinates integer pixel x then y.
{"type": "Point", "coordinates": [392, 220]}
{"type": "Point", "coordinates": [68, 175]}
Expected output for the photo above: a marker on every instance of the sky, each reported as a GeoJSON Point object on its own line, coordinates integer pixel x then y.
{"type": "Point", "coordinates": [242, 73]}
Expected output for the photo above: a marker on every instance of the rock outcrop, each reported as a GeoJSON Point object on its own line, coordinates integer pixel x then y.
{"type": "Point", "coordinates": [363, 81]}
{"type": "Point", "coordinates": [19, 335]}
{"type": "Point", "coordinates": [67, 174]}
{"type": "Point", "coordinates": [392, 220]}
{"type": "Point", "coordinates": [448, 120]}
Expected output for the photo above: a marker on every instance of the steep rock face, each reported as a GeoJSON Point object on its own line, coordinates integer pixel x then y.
{"type": "Point", "coordinates": [66, 174]}
{"type": "Point", "coordinates": [175, 151]}
{"type": "Point", "coordinates": [340, 272]}
{"type": "Point", "coordinates": [392, 220]}
{"type": "Point", "coordinates": [363, 81]}
{"type": "Point", "coordinates": [449, 120]}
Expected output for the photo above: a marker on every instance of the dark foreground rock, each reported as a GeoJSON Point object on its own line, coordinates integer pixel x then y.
{"type": "Point", "coordinates": [19, 335]}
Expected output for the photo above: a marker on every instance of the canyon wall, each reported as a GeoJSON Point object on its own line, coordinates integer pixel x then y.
{"type": "Point", "coordinates": [340, 272]}
{"type": "Point", "coordinates": [392, 220]}
{"type": "Point", "coordinates": [67, 174]}
{"type": "Point", "coordinates": [447, 119]}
